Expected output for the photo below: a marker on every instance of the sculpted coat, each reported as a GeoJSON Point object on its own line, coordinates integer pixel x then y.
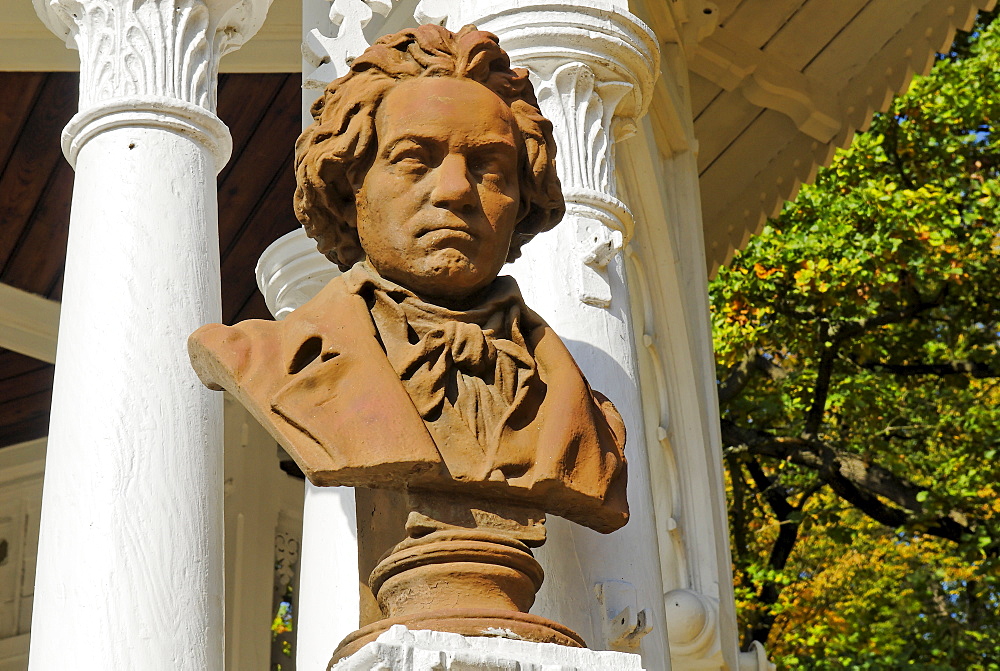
{"type": "Point", "coordinates": [427, 168]}
{"type": "Point", "coordinates": [322, 383]}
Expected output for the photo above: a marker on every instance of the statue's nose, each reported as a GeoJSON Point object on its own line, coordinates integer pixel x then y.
{"type": "Point", "coordinates": [453, 186]}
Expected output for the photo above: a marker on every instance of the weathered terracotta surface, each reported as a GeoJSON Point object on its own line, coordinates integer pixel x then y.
{"type": "Point", "coordinates": [427, 168]}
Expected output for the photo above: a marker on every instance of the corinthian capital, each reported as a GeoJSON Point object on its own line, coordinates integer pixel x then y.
{"type": "Point", "coordinates": [151, 48]}
{"type": "Point", "coordinates": [593, 68]}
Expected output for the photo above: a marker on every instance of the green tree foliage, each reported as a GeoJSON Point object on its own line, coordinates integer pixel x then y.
{"type": "Point", "coordinates": [857, 342]}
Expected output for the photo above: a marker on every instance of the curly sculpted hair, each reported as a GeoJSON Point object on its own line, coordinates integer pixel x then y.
{"type": "Point", "coordinates": [333, 154]}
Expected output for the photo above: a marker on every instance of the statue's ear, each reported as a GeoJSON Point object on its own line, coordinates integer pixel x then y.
{"type": "Point", "coordinates": [350, 211]}
{"type": "Point", "coordinates": [355, 178]}
{"type": "Point", "coordinates": [524, 209]}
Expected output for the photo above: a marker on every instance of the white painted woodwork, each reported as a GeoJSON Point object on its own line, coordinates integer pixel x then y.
{"type": "Point", "coordinates": [677, 382]}
{"type": "Point", "coordinates": [400, 649]}
{"type": "Point", "coordinates": [668, 283]}
{"type": "Point", "coordinates": [767, 82]}
{"type": "Point", "coordinates": [28, 323]}
{"type": "Point", "coordinates": [22, 461]}
{"type": "Point", "coordinates": [21, 468]}
{"type": "Point", "coordinates": [853, 56]}
{"type": "Point", "coordinates": [130, 568]}
{"type": "Point", "coordinates": [788, 35]}
{"type": "Point", "coordinates": [14, 653]}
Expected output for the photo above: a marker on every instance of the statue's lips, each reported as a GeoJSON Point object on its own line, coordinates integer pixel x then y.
{"type": "Point", "coordinates": [445, 231]}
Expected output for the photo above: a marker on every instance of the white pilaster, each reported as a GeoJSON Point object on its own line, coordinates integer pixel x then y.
{"type": "Point", "coordinates": [593, 66]}
{"type": "Point", "coordinates": [130, 553]}
{"type": "Point", "coordinates": [669, 291]}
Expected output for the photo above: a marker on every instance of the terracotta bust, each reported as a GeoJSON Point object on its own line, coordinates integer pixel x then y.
{"type": "Point", "coordinates": [427, 167]}
{"type": "Point", "coordinates": [419, 367]}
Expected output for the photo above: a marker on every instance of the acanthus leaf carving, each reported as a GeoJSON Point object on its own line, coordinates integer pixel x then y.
{"type": "Point", "coordinates": [150, 49]}
{"type": "Point", "coordinates": [582, 109]}
{"type": "Point", "coordinates": [593, 75]}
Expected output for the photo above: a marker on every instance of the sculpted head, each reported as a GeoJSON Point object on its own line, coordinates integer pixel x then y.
{"type": "Point", "coordinates": [430, 157]}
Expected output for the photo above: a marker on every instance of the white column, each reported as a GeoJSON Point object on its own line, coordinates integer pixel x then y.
{"type": "Point", "coordinates": [289, 273]}
{"type": "Point", "coordinates": [593, 65]}
{"type": "Point", "coordinates": [593, 68]}
{"type": "Point", "coordinates": [130, 553]}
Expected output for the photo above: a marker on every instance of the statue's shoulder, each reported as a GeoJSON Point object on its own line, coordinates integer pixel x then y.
{"type": "Point", "coordinates": [221, 353]}
{"type": "Point", "coordinates": [259, 348]}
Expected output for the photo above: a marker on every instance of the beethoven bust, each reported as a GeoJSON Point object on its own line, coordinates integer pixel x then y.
{"type": "Point", "coordinates": [427, 167]}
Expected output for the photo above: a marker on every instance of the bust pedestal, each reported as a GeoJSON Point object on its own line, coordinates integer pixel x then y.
{"type": "Point", "coordinates": [400, 649]}
{"type": "Point", "coordinates": [466, 568]}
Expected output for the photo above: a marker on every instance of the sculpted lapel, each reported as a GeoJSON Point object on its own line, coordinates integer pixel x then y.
{"type": "Point", "coordinates": [327, 394]}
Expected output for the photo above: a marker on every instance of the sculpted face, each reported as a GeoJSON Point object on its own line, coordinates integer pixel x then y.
{"type": "Point", "coordinates": [437, 209]}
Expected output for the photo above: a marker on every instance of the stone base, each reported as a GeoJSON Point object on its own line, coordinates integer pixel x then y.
{"type": "Point", "coordinates": [468, 623]}
{"type": "Point", "coordinates": [400, 649]}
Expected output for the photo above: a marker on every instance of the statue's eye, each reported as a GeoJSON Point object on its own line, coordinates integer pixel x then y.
{"type": "Point", "coordinates": [410, 157]}
{"type": "Point", "coordinates": [492, 162]}
{"type": "Point", "coordinates": [486, 164]}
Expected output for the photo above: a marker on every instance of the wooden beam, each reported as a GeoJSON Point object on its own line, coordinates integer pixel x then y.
{"type": "Point", "coordinates": [28, 323]}
{"type": "Point", "coordinates": [726, 60]}
{"type": "Point", "coordinates": [22, 460]}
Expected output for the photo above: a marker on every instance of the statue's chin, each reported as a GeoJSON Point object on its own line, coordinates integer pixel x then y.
{"type": "Point", "coordinates": [445, 276]}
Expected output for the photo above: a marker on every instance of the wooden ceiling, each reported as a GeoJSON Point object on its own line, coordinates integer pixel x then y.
{"type": "Point", "coordinates": [779, 85]}
{"type": "Point", "coordinates": [255, 192]}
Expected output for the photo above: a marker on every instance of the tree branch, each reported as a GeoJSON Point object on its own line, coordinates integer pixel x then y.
{"type": "Point", "coordinates": [832, 336]}
{"type": "Point", "coordinates": [740, 374]}
{"type": "Point", "coordinates": [788, 535]}
{"type": "Point", "coordinates": [844, 330]}
{"type": "Point", "coordinates": [824, 374]}
{"type": "Point", "coordinates": [853, 479]}
{"type": "Point", "coordinates": [739, 510]}
{"type": "Point", "coordinates": [971, 368]}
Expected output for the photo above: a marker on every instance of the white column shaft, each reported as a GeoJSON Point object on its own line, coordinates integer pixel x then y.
{"type": "Point", "coordinates": [576, 560]}
{"type": "Point", "coordinates": [593, 68]}
{"type": "Point", "coordinates": [130, 561]}
{"type": "Point", "coordinates": [329, 591]}
{"type": "Point", "coordinates": [130, 553]}
{"type": "Point", "coordinates": [328, 575]}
